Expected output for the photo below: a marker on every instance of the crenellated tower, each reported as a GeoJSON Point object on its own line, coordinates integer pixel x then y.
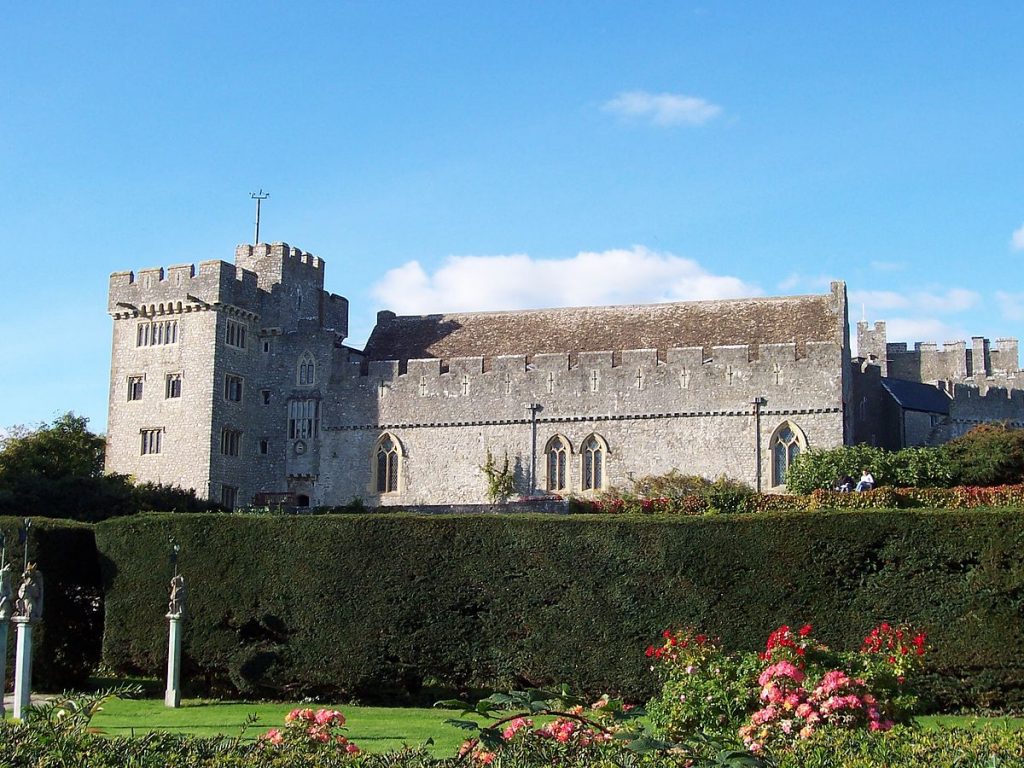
{"type": "Point", "coordinates": [196, 358]}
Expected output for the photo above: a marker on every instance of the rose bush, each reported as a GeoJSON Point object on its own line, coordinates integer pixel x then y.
{"type": "Point", "coordinates": [794, 688]}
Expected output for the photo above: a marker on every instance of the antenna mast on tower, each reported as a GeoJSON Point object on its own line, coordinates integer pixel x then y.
{"type": "Point", "coordinates": [259, 197]}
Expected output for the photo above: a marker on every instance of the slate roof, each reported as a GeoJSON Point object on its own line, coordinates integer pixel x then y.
{"type": "Point", "coordinates": [787, 319]}
{"type": "Point", "coordinates": [915, 396]}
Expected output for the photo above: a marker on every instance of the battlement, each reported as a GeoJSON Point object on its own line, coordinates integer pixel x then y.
{"type": "Point", "coordinates": [276, 263]}
{"type": "Point", "coordinates": [181, 287]}
{"type": "Point", "coordinates": [770, 363]}
{"type": "Point", "coordinates": [929, 361]}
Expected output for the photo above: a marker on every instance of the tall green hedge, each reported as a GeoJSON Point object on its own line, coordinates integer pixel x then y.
{"type": "Point", "coordinates": [371, 605]}
{"type": "Point", "coordinates": [67, 643]}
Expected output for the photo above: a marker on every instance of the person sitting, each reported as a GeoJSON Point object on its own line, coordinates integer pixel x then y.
{"type": "Point", "coordinates": [866, 482]}
{"type": "Point", "coordinates": [844, 484]}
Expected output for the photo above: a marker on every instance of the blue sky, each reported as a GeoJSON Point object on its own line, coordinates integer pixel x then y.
{"type": "Point", "coordinates": [454, 156]}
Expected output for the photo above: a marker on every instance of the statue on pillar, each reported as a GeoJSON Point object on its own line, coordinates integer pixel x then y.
{"type": "Point", "coordinates": [176, 606]}
{"type": "Point", "coordinates": [30, 594]}
{"type": "Point", "coordinates": [6, 593]}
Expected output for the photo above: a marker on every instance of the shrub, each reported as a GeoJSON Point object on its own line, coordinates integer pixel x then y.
{"type": "Point", "coordinates": [67, 642]}
{"type": "Point", "coordinates": [383, 607]}
{"type": "Point", "coordinates": [910, 467]}
{"type": "Point", "coordinates": [990, 454]}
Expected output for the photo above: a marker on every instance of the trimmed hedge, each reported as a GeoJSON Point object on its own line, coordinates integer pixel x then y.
{"type": "Point", "coordinates": [67, 643]}
{"type": "Point", "coordinates": [32, 746]}
{"type": "Point", "coordinates": [379, 606]}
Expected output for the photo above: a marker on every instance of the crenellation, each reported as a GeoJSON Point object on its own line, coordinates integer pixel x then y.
{"type": "Point", "coordinates": [733, 355]}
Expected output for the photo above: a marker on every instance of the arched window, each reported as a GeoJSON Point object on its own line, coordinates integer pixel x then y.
{"type": "Point", "coordinates": [306, 373]}
{"type": "Point", "coordinates": [557, 452]}
{"type": "Point", "coordinates": [594, 451]}
{"type": "Point", "coordinates": [387, 458]}
{"type": "Point", "coordinates": [786, 444]}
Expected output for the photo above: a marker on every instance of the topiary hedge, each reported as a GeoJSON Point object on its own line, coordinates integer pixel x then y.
{"type": "Point", "coordinates": [379, 606]}
{"type": "Point", "coordinates": [67, 643]}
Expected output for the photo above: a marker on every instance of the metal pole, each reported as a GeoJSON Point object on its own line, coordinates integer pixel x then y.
{"type": "Point", "coordinates": [534, 407]}
{"type": "Point", "coordinates": [757, 402]}
{"type": "Point", "coordinates": [259, 197]}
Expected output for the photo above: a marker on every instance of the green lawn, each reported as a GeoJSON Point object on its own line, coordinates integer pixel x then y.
{"type": "Point", "coordinates": [375, 729]}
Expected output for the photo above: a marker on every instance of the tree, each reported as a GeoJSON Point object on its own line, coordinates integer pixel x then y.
{"type": "Point", "coordinates": [56, 470]}
{"type": "Point", "coordinates": [990, 454]}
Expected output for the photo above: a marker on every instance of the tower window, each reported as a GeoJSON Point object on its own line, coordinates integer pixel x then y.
{"type": "Point", "coordinates": [307, 370]}
{"type": "Point", "coordinates": [172, 386]}
{"type": "Point", "coordinates": [135, 387]}
{"type": "Point", "coordinates": [230, 441]}
{"type": "Point", "coordinates": [152, 440]}
{"type": "Point", "coordinates": [303, 419]}
{"type": "Point", "coordinates": [233, 388]}
{"type": "Point", "coordinates": [234, 334]}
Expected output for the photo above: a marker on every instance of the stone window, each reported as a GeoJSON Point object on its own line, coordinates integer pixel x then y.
{"type": "Point", "coordinates": [423, 386]}
{"type": "Point", "coordinates": [135, 387]}
{"type": "Point", "coordinates": [172, 386]}
{"type": "Point", "coordinates": [303, 419]}
{"type": "Point", "coordinates": [306, 372]}
{"type": "Point", "coordinates": [230, 441]}
{"type": "Point", "coordinates": [152, 441]}
{"type": "Point", "coordinates": [787, 443]}
{"type": "Point", "coordinates": [594, 451]}
{"type": "Point", "coordinates": [595, 381]}
{"type": "Point", "coordinates": [266, 345]}
{"type": "Point", "coordinates": [233, 388]}
{"type": "Point", "coordinates": [153, 334]}
{"type": "Point", "coordinates": [228, 496]}
{"type": "Point", "coordinates": [508, 383]}
{"type": "Point", "coordinates": [234, 334]}
{"type": "Point", "coordinates": [264, 446]}
{"type": "Point", "coordinates": [684, 379]}
{"type": "Point", "coordinates": [265, 396]}
{"type": "Point", "coordinates": [386, 464]}
{"type": "Point", "coordinates": [551, 382]}
{"type": "Point", "coordinates": [557, 452]}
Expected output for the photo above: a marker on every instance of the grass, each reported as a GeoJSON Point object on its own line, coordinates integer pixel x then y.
{"type": "Point", "coordinates": [375, 729]}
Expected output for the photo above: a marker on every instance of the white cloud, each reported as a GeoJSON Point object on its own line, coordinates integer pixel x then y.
{"type": "Point", "coordinates": [1017, 239]}
{"type": "Point", "coordinates": [1011, 305]}
{"type": "Point", "coordinates": [796, 282]}
{"type": "Point", "coordinates": [622, 276]}
{"type": "Point", "coordinates": [951, 301]}
{"type": "Point", "coordinates": [663, 108]}
{"type": "Point", "coordinates": [913, 329]}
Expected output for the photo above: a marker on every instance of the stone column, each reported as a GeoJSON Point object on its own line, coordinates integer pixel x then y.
{"type": "Point", "coordinates": [172, 695]}
{"type": "Point", "coordinates": [4, 626]}
{"type": "Point", "coordinates": [23, 666]}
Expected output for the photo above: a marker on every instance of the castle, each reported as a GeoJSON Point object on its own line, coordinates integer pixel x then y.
{"type": "Point", "coordinates": [234, 380]}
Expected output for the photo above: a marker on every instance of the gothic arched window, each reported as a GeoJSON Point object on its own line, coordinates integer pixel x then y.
{"type": "Point", "coordinates": [306, 372]}
{"type": "Point", "coordinates": [786, 444]}
{"type": "Point", "coordinates": [387, 460]}
{"type": "Point", "coordinates": [557, 452]}
{"type": "Point", "coordinates": [594, 451]}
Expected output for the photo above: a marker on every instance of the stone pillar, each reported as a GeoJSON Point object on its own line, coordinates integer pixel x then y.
{"type": "Point", "coordinates": [172, 696]}
{"type": "Point", "coordinates": [4, 626]}
{"type": "Point", "coordinates": [23, 666]}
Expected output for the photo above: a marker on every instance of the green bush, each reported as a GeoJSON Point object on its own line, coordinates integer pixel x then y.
{"type": "Point", "coordinates": [910, 467]}
{"type": "Point", "coordinates": [389, 606]}
{"type": "Point", "coordinates": [67, 643]}
{"type": "Point", "coordinates": [909, 748]}
{"type": "Point", "coordinates": [990, 454]}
